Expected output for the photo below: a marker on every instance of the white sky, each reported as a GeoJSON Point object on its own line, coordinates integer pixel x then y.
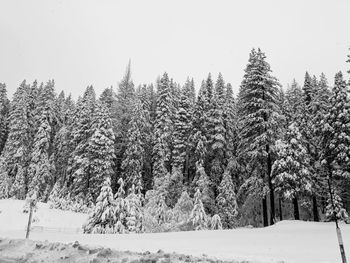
{"type": "Point", "coordinates": [82, 42]}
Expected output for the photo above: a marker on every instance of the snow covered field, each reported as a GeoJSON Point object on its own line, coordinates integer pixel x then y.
{"type": "Point", "coordinates": [287, 241]}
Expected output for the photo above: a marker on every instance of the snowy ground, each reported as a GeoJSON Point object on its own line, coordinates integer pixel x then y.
{"type": "Point", "coordinates": [287, 241]}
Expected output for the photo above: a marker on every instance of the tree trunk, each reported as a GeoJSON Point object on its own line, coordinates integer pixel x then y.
{"type": "Point", "coordinates": [296, 208]}
{"type": "Point", "coordinates": [314, 208]}
{"type": "Point", "coordinates": [280, 208]}
{"type": "Point", "coordinates": [265, 218]}
{"type": "Point", "coordinates": [272, 193]}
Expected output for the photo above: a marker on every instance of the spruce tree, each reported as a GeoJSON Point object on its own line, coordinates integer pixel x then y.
{"type": "Point", "coordinates": [79, 176]}
{"type": "Point", "coordinates": [258, 120]}
{"type": "Point", "coordinates": [133, 160]}
{"type": "Point", "coordinates": [163, 131]}
{"type": "Point", "coordinates": [217, 136]}
{"type": "Point", "coordinates": [226, 202]}
{"type": "Point", "coordinates": [4, 112]}
{"type": "Point", "coordinates": [292, 168]}
{"type": "Point", "coordinates": [121, 208]}
{"type": "Point", "coordinates": [335, 132]}
{"type": "Point", "coordinates": [16, 151]}
{"type": "Point", "coordinates": [198, 216]}
{"type": "Point", "coordinates": [100, 152]}
{"type": "Point", "coordinates": [102, 219]}
{"type": "Point", "coordinates": [134, 217]}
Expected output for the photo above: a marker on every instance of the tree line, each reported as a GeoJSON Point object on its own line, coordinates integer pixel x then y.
{"type": "Point", "coordinates": [266, 154]}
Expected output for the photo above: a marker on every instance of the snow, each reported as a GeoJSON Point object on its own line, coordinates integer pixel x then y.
{"type": "Point", "coordinates": [287, 241]}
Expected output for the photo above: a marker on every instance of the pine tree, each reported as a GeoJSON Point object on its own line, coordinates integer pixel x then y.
{"type": "Point", "coordinates": [293, 103]}
{"type": "Point", "coordinates": [335, 208]}
{"type": "Point", "coordinates": [134, 218]}
{"type": "Point", "coordinates": [182, 128]}
{"type": "Point", "coordinates": [335, 132]}
{"type": "Point", "coordinates": [226, 202]}
{"type": "Point", "coordinates": [217, 136]}
{"type": "Point", "coordinates": [4, 112]}
{"type": "Point", "coordinates": [40, 167]}
{"type": "Point", "coordinates": [163, 131]}
{"type": "Point", "coordinates": [230, 123]}
{"type": "Point", "coordinates": [100, 152]}
{"type": "Point", "coordinates": [133, 160]}
{"type": "Point", "coordinates": [103, 218]}
{"type": "Point", "coordinates": [215, 222]}
{"type": "Point", "coordinates": [202, 183]}
{"type": "Point", "coordinates": [16, 150]}
{"type": "Point", "coordinates": [292, 167]}
{"type": "Point", "coordinates": [121, 208]}
{"type": "Point", "coordinates": [183, 208]}
{"type": "Point", "coordinates": [198, 216]}
{"type": "Point", "coordinates": [258, 118]}
{"type": "Point", "coordinates": [78, 181]}
{"type": "Point", "coordinates": [122, 115]}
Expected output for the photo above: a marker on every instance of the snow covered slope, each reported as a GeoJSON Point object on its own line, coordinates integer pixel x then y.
{"type": "Point", "coordinates": [288, 241]}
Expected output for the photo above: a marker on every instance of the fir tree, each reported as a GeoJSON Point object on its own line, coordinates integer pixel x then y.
{"type": "Point", "coordinates": [121, 208]}
{"type": "Point", "coordinates": [4, 112]}
{"type": "Point", "coordinates": [122, 115]}
{"type": "Point", "coordinates": [258, 118]}
{"type": "Point", "coordinates": [133, 160]}
{"type": "Point", "coordinates": [215, 222]}
{"type": "Point", "coordinates": [103, 218]}
{"type": "Point", "coordinates": [226, 202]}
{"type": "Point", "coordinates": [182, 128]}
{"type": "Point", "coordinates": [16, 150]}
{"type": "Point", "coordinates": [335, 209]}
{"type": "Point", "coordinates": [134, 218]}
{"type": "Point", "coordinates": [79, 176]}
{"type": "Point", "coordinates": [163, 131]}
{"type": "Point", "coordinates": [292, 167]}
{"type": "Point", "coordinates": [40, 167]}
{"type": "Point", "coordinates": [198, 216]}
{"type": "Point", "coordinates": [183, 208]}
{"type": "Point", "coordinates": [100, 151]}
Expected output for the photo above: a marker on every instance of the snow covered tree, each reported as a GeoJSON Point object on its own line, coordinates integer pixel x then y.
{"type": "Point", "coordinates": [292, 167]}
{"type": "Point", "coordinates": [198, 216]}
{"type": "Point", "coordinates": [226, 202]}
{"type": "Point", "coordinates": [16, 150]}
{"type": "Point", "coordinates": [335, 155]}
{"type": "Point", "coordinates": [230, 123]}
{"type": "Point", "coordinates": [258, 120]}
{"type": "Point", "coordinates": [122, 115]}
{"type": "Point", "coordinates": [4, 112]}
{"type": "Point", "coordinates": [217, 136]}
{"type": "Point", "coordinates": [40, 167]}
{"type": "Point", "coordinates": [102, 219]}
{"type": "Point", "coordinates": [163, 131]}
{"type": "Point", "coordinates": [335, 209]}
{"type": "Point", "coordinates": [293, 103]}
{"type": "Point", "coordinates": [182, 128]}
{"type": "Point", "coordinates": [183, 208]}
{"type": "Point", "coordinates": [336, 133]}
{"type": "Point", "coordinates": [134, 217]}
{"type": "Point", "coordinates": [215, 222]}
{"type": "Point", "coordinates": [78, 181]}
{"type": "Point", "coordinates": [202, 182]}
{"type": "Point", "coordinates": [121, 208]}
{"type": "Point", "coordinates": [100, 152]}
{"type": "Point", "coordinates": [133, 160]}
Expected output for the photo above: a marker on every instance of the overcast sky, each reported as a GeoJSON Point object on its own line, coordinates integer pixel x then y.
{"type": "Point", "coordinates": [82, 42]}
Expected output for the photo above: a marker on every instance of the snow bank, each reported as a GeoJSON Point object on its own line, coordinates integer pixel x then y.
{"type": "Point", "coordinates": [288, 241]}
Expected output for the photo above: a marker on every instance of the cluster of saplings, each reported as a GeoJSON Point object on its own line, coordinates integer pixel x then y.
{"type": "Point", "coordinates": [137, 156]}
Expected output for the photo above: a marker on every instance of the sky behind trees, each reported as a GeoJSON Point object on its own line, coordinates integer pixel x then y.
{"type": "Point", "coordinates": [85, 42]}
